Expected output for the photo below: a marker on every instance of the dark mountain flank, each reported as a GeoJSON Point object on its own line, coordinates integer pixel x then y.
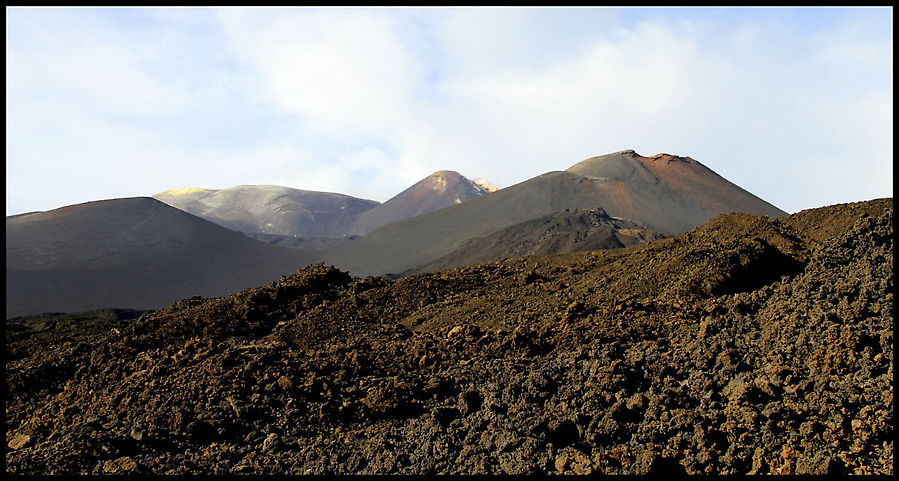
{"type": "Point", "coordinates": [664, 193]}
{"type": "Point", "coordinates": [567, 231]}
{"type": "Point", "coordinates": [271, 209]}
{"type": "Point", "coordinates": [747, 345]}
{"type": "Point", "coordinates": [441, 189]}
{"type": "Point", "coordinates": [130, 253]}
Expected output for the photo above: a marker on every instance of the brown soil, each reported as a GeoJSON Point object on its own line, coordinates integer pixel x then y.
{"type": "Point", "coordinates": [748, 345]}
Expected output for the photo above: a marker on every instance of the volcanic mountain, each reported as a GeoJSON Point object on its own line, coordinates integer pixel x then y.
{"type": "Point", "coordinates": [140, 253]}
{"type": "Point", "coordinates": [271, 209]}
{"type": "Point", "coordinates": [131, 253]}
{"type": "Point", "coordinates": [439, 190]}
{"type": "Point", "coordinates": [665, 193]}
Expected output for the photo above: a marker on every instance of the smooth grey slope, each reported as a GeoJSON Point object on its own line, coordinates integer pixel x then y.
{"type": "Point", "coordinates": [567, 231]}
{"type": "Point", "coordinates": [305, 243]}
{"type": "Point", "coordinates": [271, 209]}
{"type": "Point", "coordinates": [439, 190]}
{"type": "Point", "coordinates": [129, 253]}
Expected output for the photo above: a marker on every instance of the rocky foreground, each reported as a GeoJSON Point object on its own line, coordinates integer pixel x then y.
{"type": "Point", "coordinates": [749, 345]}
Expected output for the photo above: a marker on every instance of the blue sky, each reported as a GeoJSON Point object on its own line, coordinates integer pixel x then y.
{"type": "Point", "coordinates": [794, 105]}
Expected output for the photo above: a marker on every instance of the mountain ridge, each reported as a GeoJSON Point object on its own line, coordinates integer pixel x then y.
{"type": "Point", "coordinates": [621, 183]}
{"type": "Point", "coordinates": [441, 189]}
{"type": "Point", "coordinates": [270, 209]}
{"type": "Point", "coordinates": [105, 250]}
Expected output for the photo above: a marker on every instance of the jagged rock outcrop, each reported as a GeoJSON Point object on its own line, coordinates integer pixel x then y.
{"type": "Point", "coordinates": [567, 231]}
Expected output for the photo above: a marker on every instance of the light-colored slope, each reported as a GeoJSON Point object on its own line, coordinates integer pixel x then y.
{"type": "Point", "coordinates": [271, 209]}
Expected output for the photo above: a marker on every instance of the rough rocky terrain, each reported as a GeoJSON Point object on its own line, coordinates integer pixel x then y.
{"type": "Point", "coordinates": [567, 231]}
{"type": "Point", "coordinates": [748, 345]}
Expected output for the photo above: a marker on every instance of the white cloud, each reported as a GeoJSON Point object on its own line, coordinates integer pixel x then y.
{"type": "Point", "coordinates": [615, 95]}
{"type": "Point", "coordinates": [343, 70]}
{"type": "Point", "coordinates": [366, 102]}
{"type": "Point", "coordinates": [365, 171]}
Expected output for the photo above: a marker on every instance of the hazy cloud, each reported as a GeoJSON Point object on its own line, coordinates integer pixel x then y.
{"type": "Point", "coordinates": [794, 105]}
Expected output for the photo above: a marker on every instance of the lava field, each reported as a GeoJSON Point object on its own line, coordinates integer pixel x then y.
{"type": "Point", "coordinates": [748, 345]}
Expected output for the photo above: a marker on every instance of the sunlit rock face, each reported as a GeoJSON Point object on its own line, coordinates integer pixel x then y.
{"type": "Point", "coordinates": [439, 190]}
{"type": "Point", "coordinates": [271, 209]}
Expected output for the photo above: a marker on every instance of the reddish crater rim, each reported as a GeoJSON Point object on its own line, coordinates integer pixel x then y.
{"type": "Point", "coordinates": [662, 156]}
{"type": "Point", "coordinates": [668, 158]}
{"type": "Point", "coordinates": [671, 158]}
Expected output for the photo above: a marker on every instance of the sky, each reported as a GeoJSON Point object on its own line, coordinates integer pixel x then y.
{"type": "Point", "coordinates": [793, 104]}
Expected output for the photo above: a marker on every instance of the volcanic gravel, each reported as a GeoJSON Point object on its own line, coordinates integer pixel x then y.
{"type": "Point", "coordinates": [748, 345]}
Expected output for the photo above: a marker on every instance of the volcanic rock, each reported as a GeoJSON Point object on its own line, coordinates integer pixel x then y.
{"type": "Point", "coordinates": [567, 231]}
{"type": "Point", "coordinates": [595, 366]}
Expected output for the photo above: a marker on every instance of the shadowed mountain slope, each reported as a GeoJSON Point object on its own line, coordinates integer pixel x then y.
{"type": "Point", "coordinates": [566, 231]}
{"type": "Point", "coordinates": [441, 189]}
{"type": "Point", "coordinates": [129, 253]}
{"type": "Point", "coordinates": [271, 209]}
